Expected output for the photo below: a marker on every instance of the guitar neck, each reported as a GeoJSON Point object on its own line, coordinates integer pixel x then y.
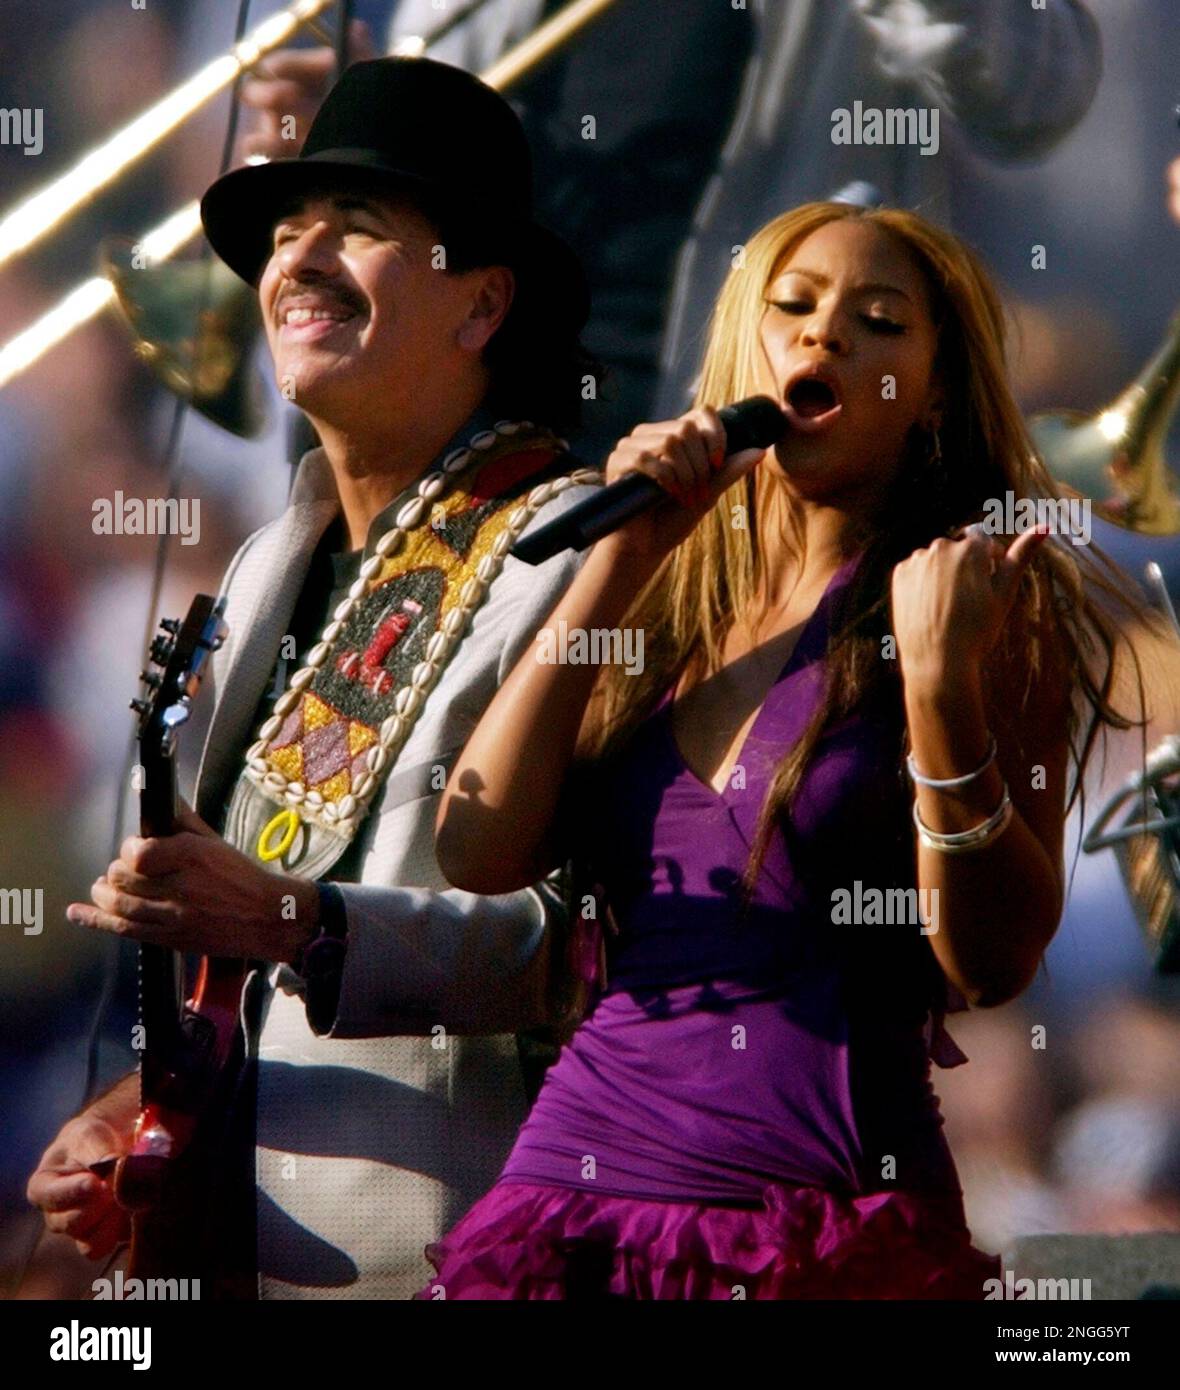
{"type": "Point", "coordinates": [184, 1045]}
{"type": "Point", "coordinates": [158, 795]}
{"type": "Point", "coordinates": [161, 970]}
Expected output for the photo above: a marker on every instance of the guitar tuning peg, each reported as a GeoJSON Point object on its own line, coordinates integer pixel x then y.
{"type": "Point", "coordinates": [140, 707]}
{"type": "Point", "coordinates": [161, 650]}
{"type": "Point", "coordinates": [171, 625]}
{"type": "Point", "coordinates": [150, 679]}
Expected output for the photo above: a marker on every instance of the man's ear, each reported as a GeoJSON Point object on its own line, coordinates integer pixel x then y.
{"type": "Point", "coordinates": [493, 289]}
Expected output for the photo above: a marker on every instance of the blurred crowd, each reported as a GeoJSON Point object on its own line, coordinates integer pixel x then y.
{"type": "Point", "coordinates": [1067, 1118]}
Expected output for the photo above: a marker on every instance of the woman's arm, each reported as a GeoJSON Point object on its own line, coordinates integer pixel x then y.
{"type": "Point", "coordinates": [999, 905]}
{"type": "Point", "coordinates": [496, 817]}
{"type": "Point", "coordinates": [495, 831]}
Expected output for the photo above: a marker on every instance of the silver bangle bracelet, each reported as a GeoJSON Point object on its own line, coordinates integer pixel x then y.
{"type": "Point", "coordinates": [962, 841]}
{"type": "Point", "coordinates": [947, 782]}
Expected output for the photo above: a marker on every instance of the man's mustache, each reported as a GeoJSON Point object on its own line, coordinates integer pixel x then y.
{"type": "Point", "coordinates": [329, 295]}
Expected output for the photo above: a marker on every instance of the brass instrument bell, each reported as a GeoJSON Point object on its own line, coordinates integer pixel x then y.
{"type": "Point", "coordinates": [1115, 457]}
{"type": "Point", "coordinates": [195, 324]}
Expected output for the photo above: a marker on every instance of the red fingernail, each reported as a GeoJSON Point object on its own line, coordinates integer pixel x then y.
{"type": "Point", "coordinates": [716, 458]}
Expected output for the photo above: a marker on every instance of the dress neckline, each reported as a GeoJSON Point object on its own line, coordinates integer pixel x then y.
{"type": "Point", "coordinates": [802, 644]}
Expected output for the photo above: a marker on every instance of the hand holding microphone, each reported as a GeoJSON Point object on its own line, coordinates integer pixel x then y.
{"type": "Point", "coordinates": [691, 461]}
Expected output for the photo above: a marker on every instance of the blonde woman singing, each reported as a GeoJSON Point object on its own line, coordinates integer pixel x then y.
{"type": "Point", "coordinates": [832, 801]}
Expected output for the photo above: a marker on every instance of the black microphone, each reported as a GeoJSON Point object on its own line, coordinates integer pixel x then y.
{"type": "Point", "coordinates": [756, 423]}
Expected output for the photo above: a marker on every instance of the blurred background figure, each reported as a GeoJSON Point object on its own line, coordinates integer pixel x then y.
{"type": "Point", "coordinates": [671, 128]}
{"type": "Point", "coordinates": [725, 109]}
{"type": "Point", "coordinates": [1067, 1121]}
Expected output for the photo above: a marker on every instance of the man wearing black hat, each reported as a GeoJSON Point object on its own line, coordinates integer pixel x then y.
{"type": "Point", "coordinates": [428, 328]}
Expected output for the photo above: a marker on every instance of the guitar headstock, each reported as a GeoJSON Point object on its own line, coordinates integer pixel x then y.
{"type": "Point", "coordinates": [181, 654]}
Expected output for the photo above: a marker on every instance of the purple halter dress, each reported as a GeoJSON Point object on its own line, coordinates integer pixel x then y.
{"type": "Point", "coordinates": [747, 1109]}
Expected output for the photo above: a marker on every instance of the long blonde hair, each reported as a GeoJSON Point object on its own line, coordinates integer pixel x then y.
{"type": "Point", "coordinates": [718, 573]}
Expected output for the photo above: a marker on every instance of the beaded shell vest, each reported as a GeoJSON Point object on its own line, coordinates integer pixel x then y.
{"type": "Point", "coordinates": [335, 734]}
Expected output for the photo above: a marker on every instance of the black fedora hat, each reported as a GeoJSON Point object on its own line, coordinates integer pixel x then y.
{"type": "Point", "coordinates": [420, 127]}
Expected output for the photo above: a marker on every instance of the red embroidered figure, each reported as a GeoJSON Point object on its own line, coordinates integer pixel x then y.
{"type": "Point", "coordinates": [368, 667]}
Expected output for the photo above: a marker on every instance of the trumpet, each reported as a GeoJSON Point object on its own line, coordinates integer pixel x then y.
{"type": "Point", "coordinates": [1116, 455]}
{"type": "Point", "coordinates": [35, 218]}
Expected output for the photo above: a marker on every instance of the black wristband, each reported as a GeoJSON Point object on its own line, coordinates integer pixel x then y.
{"type": "Point", "coordinates": [321, 962]}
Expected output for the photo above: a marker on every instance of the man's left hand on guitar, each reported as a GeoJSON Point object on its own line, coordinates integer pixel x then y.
{"type": "Point", "coordinates": [192, 891]}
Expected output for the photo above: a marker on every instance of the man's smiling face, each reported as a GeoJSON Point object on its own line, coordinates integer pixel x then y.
{"type": "Point", "coordinates": [356, 313]}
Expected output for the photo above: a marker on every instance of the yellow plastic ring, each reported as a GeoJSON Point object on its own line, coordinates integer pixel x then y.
{"type": "Point", "coordinates": [268, 851]}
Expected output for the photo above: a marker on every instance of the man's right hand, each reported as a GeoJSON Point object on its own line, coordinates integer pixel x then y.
{"type": "Point", "coordinates": [76, 1202]}
{"type": "Point", "coordinates": [292, 83]}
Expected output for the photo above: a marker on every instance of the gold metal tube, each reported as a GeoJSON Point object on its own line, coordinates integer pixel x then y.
{"type": "Point", "coordinates": [87, 300]}
{"type": "Point", "coordinates": [545, 40]}
{"type": "Point", "coordinates": [38, 215]}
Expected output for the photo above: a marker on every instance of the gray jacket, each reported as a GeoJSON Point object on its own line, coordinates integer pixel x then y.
{"type": "Point", "coordinates": [373, 1140]}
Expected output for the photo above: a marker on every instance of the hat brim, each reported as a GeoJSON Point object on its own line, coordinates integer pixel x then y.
{"type": "Point", "coordinates": [239, 211]}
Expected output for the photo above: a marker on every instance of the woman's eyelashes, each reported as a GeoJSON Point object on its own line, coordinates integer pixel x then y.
{"type": "Point", "coordinates": [877, 323]}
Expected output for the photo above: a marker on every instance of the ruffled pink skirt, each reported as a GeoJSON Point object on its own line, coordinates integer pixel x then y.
{"type": "Point", "coordinates": [537, 1241]}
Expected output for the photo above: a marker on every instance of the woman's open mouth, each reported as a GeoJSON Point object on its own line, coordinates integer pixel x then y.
{"type": "Point", "coordinates": [812, 403]}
